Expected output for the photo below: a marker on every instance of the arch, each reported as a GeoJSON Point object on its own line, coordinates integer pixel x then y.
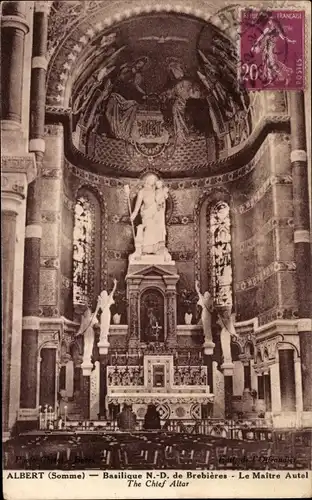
{"type": "Point", "coordinates": [290, 345]}
{"type": "Point", "coordinates": [103, 228]}
{"type": "Point", "coordinates": [95, 225]}
{"type": "Point", "coordinates": [249, 349]}
{"type": "Point", "coordinates": [206, 200]}
{"type": "Point", "coordinates": [258, 357]}
{"type": "Point", "coordinates": [152, 315]}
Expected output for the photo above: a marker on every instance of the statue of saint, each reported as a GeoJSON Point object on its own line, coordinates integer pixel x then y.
{"type": "Point", "coordinates": [105, 302]}
{"type": "Point", "coordinates": [88, 320]}
{"type": "Point", "coordinates": [226, 321]}
{"type": "Point", "coordinates": [206, 302]}
{"type": "Point", "coordinates": [151, 204]}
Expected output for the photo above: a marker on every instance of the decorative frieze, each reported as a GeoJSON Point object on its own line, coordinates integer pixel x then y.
{"type": "Point", "coordinates": [20, 164]}
{"type": "Point", "coordinates": [253, 200]}
{"type": "Point", "coordinates": [274, 267]}
{"type": "Point", "coordinates": [273, 223]}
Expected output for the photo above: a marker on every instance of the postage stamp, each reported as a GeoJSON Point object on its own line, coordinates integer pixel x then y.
{"type": "Point", "coordinates": [272, 50]}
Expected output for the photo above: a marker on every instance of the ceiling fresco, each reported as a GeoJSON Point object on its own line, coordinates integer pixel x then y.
{"type": "Point", "coordinates": [155, 82]}
{"type": "Point", "coordinates": [155, 89]}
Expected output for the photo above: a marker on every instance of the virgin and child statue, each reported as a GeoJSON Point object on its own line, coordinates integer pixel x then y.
{"type": "Point", "coordinates": [150, 237]}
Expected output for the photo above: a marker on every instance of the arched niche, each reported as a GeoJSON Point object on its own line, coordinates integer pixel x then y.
{"type": "Point", "coordinates": [205, 239]}
{"type": "Point", "coordinates": [87, 248]}
{"type": "Point", "coordinates": [152, 315]}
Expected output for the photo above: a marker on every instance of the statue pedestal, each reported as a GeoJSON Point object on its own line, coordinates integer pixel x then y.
{"type": "Point", "coordinates": [208, 348]}
{"type": "Point", "coordinates": [86, 369]}
{"type": "Point", "coordinates": [103, 346]}
{"type": "Point", "coordinates": [151, 292]}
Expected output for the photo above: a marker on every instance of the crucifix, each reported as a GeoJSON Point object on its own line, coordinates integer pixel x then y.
{"type": "Point", "coordinates": [157, 329]}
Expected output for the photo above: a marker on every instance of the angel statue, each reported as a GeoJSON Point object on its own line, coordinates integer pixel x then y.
{"type": "Point", "coordinates": [105, 302]}
{"type": "Point", "coordinates": [226, 321]}
{"type": "Point", "coordinates": [206, 303]}
{"type": "Point", "coordinates": [88, 320]}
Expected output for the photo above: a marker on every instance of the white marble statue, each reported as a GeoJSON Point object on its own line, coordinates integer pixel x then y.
{"type": "Point", "coordinates": [105, 301]}
{"type": "Point", "coordinates": [206, 302]}
{"type": "Point", "coordinates": [88, 320]}
{"type": "Point", "coordinates": [226, 321]}
{"type": "Point", "coordinates": [151, 234]}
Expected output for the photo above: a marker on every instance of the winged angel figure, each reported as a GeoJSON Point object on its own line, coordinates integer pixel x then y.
{"type": "Point", "coordinates": [112, 94]}
{"type": "Point", "coordinates": [218, 74]}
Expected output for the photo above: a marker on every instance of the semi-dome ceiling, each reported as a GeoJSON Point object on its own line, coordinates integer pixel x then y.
{"type": "Point", "coordinates": [154, 89]}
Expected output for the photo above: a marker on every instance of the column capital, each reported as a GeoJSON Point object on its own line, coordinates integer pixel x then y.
{"type": "Point", "coordinates": [13, 191]}
{"type": "Point", "coordinates": [19, 165]}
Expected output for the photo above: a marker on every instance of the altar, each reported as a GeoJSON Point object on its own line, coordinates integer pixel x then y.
{"type": "Point", "coordinates": [178, 392]}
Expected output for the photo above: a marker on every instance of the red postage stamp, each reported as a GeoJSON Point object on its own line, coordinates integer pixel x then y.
{"type": "Point", "coordinates": [272, 49]}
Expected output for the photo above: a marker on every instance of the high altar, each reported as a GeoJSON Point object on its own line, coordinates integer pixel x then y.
{"type": "Point", "coordinates": [151, 369]}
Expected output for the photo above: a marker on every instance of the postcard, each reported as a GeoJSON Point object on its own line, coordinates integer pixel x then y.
{"type": "Point", "coordinates": [156, 249]}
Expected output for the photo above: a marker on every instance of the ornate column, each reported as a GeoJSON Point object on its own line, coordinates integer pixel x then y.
{"type": "Point", "coordinates": [33, 214]}
{"type": "Point", "coordinates": [171, 340]}
{"type": "Point", "coordinates": [302, 239]}
{"type": "Point", "coordinates": [133, 315]}
{"type": "Point", "coordinates": [14, 27]}
{"type": "Point", "coordinates": [275, 388]}
{"type": "Point", "coordinates": [38, 77]}
{"type": "Point", "coordinates": [13, 187]}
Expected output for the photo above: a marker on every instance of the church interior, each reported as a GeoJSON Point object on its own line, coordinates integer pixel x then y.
{"type": "Point", "coordinates": [156, 247]}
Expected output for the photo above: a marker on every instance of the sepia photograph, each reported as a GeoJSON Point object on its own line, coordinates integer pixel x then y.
{"type": "Point", "coordinates": [156, 249]}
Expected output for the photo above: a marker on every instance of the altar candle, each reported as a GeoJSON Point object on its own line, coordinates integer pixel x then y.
{"type": "Point", "coordinates": [46, 416]}
{"type": "Point", "coordinates": [126, 356]}
{"type": "Point", "coordinates": [189, 355]}
{"type": "Point", "coordinates": [65, 415]}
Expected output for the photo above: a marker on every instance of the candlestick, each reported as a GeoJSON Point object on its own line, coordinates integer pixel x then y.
{"type": "Point", "coordinates": [46, 416]}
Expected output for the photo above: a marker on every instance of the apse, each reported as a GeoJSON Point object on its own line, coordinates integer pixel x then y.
{"type": "Point", "coordinates": [158, 89]}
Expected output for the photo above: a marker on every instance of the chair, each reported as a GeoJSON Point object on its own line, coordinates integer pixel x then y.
{"type": "Point", "coordinates": [258, 458]}
{"type": "Point", "coordinates": [123, 461]}
{"type": "Point", "coordinates": [170, 456]}
{"type": "Point", "coordinates": [185, 458]}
